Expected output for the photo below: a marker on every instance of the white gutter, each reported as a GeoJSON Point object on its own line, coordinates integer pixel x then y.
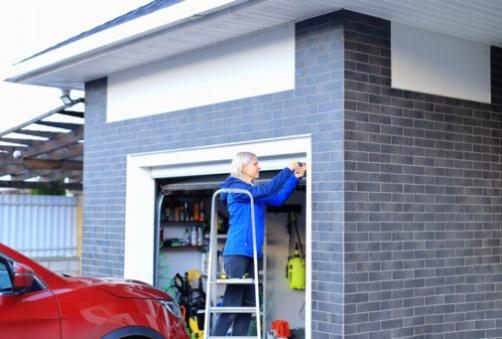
{"type": "Point", "coordinates": [109, 39]}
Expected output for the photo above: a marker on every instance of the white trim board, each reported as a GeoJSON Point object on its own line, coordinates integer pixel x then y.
{"type": "Point", "coordinates": [143, 169]}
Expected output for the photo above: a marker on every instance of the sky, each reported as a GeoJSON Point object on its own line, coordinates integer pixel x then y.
{"type": "Point", "coordinates": [30, 26]}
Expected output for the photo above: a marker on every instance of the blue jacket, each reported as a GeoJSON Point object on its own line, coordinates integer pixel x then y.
{"type": "Point", "coordinates": [240, 234]}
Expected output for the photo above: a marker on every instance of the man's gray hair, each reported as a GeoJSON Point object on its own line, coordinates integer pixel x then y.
{"type": "Point", "coordinates": [241, 159]}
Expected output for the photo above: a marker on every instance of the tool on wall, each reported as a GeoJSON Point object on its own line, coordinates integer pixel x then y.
{"type": "Point", "coordinates": [295, 269]}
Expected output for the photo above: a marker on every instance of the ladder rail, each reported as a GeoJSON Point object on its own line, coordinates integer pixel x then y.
{"type": "Point", "coordinates": [212, 257]}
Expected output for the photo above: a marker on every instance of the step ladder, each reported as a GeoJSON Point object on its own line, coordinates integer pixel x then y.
{"type": "Point", "coordinates": [213, 281]}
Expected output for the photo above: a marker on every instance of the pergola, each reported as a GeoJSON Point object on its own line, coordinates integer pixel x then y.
{"type": "Point", "coordinates": [45, 152]}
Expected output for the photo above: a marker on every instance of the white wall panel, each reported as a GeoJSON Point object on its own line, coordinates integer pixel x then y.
{"type": "Point", "coordinates": [39, 226]}
{"type": "Point", "coordinates": [435, 63]}
{"type": "Point", "coordinates": [251, 66]}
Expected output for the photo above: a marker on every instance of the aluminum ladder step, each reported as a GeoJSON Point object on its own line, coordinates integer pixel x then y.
{"type": "Point", "coordinates": [234, 281]}
{"type": "Point", "coordinates": [232, 309]}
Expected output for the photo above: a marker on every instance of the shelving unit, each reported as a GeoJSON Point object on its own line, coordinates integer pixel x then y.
{"type": "Point", "coordinates": [180, 213]}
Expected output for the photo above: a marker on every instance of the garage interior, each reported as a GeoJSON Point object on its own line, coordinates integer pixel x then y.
{"type": "Point", "coordinates": [181, 236]}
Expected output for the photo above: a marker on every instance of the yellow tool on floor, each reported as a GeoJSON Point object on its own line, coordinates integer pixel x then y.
{"type": "Point", "coordinates": [193, 275]}
{"type": "Point", "coordinates": [194, 327]}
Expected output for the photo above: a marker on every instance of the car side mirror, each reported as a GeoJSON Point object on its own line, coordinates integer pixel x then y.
{"type": "Point", "coordinates": [22, 277]}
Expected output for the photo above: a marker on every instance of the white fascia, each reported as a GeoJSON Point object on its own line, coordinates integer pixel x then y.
{"type": "Point", "coordinates": [103, 41]}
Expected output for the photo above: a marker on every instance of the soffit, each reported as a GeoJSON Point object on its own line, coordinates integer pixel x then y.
{"type": "Point", "coordinates": [472, 20]}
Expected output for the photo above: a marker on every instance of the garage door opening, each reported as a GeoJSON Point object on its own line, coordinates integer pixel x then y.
{"type": "Point", "coordinates": [147, 171]}
{"type": "Point", "coordinates": [182, 239]}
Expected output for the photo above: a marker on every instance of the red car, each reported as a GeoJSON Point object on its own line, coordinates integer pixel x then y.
{"type": "Point", "coordinates": [38, 303]}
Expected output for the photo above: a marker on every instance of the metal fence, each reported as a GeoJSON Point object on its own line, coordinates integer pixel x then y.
{"type": "Point", "coordinates": [39, 225]}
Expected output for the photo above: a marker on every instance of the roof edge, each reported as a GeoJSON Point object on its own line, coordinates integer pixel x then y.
{"type": "Point", "coordinates": [110, 39]}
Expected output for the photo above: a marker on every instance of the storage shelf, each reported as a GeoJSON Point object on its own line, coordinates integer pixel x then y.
{"type": "Point", "coordinates": [218, 236]}
{"type": "Point", "coordinates": [189, 247]}
{"type": "Point", "coordinates": [181, 223]}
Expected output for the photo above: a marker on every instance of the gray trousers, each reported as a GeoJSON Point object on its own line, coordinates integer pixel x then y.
{"type": "Point", "coordinates": [236, 295]}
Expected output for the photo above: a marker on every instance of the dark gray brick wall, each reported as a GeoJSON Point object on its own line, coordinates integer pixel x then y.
{"type": "Point", "coordinates": [315, 107]}
{"type": "Point", "coordinates": [422, 201]}
{"type": "Point", "coordinates": [406, 186]}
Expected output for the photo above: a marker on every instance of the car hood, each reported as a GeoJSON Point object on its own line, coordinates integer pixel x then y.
{"type": "Point", "coordinates": [125, 288]}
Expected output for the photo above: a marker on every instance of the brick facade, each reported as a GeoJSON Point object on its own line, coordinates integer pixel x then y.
{"type": "Point", "coordinates": [406, 186]}
{"type": "Point", "coordinates": [422, 201]}
{"type": "Point", "coordinates": [315, 107]}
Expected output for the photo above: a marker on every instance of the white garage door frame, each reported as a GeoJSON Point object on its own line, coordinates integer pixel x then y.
{"type": "Point", "coordinates": [144, 168]}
